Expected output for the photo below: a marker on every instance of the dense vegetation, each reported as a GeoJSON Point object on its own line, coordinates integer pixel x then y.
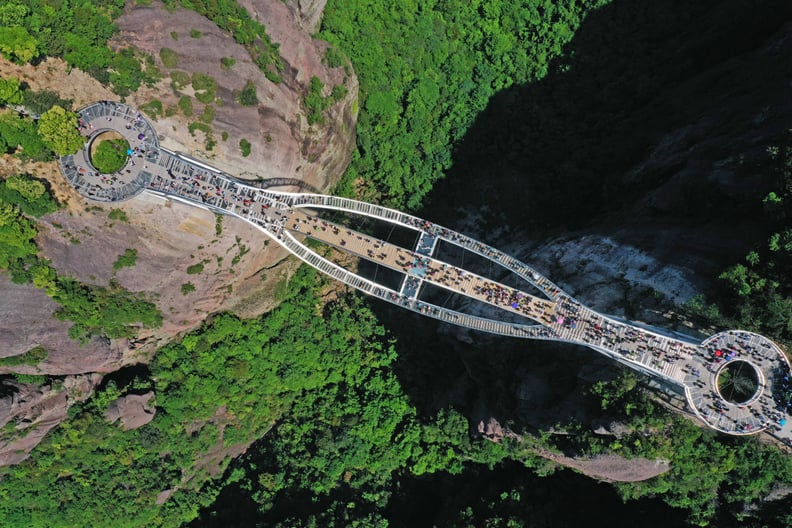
{"type": "Point", "coordinates": [53, 132]}
{"type": "Point", "coordinates": [760, 288]}
{"type": "Point", "coordinates": [427, 69]}
{"type": "Point", "coordinates": [319, 381]}
{"type": "Point", "coordinates": [315, 103]}
{"type": "Point", "coordinates": [110, 155]}
{"type": "Point", "coordinates": [77, 31]}
{"type": "Point", "coordinates": [347, 425]}
{"type": "Point", "coordinates": [94, 310]}
{"type": "Point", "coordinates": [707, 471]}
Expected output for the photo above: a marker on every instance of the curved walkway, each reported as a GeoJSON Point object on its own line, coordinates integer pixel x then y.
{"type": "Point", "coordinates": [544, 310]}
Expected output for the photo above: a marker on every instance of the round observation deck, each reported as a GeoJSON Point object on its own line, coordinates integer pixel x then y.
{"type": "Point", "coordinates": [124, 177]}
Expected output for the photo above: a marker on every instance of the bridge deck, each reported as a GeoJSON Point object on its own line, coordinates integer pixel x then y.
{"type": "Point", "coordinates": [284, 216]}
{"type": "Point", "coordinates": [421, 267]}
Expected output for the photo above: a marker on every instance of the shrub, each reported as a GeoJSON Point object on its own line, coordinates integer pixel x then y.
{"type": "Point", "coordinates": [32, 357]}
{"type": "Point", "coordinates": [244, 146]}
{"type": "Point", "coordinates": [338, 93]}
{"type": "Point", "coordinates": [203, 127]}
{"type": "Point", "coordinates": [118, 214]}
{"type": "Point", "coordinates": [274, 77]}
{"type": "Point", "coordinates": [169, 58]}
{"type": "Point", "coordinates": [195, 269]}
{"type": "Point", "coordinates": [208, 114]}
{"type": "Point", "coordinates": [218, 224]}
{"type": "Point", "coordinates": [314, 103]}
{"type": "Point", "coordinates": [205, 87]}
{"type": "Point", "coordinates": [333, 58]}
{"type": "Point", "coordinates": [30, 379]}
{"type": "Point", "coordinates": [126, 260]}
{"type": "Point", "coordinates": [179, 79]}
{"type": "Point", "coordinates": [110, 155]}
{"type": "Point", "coordinates": [153, 108]}
{"type": "Point", "coordinates": [194, 33]}
{"type": "Point", "coordinates": [227, 62]}
{"type": "Point", "coordinates": [185, 105]}
{"type": "Point", "coordinates": [247, 96]}
{"type": "Point", "coordinates": [187, 288]}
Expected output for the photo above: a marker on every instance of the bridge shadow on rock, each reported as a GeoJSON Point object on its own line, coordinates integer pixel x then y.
{"type": "Point", "coordinates": [559, 155]}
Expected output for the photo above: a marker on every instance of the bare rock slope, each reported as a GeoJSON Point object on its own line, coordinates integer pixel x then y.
{"type": "Point", "coordinates": [230, 265]}
{"type": "Point", "coordinates": [283, 144]}
{"type": "Point", "coordinates": [29, 412]}
{"type": "Point", "coordinates": [133, 411]}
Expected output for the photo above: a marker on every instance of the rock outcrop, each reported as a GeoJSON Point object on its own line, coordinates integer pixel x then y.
{"type": "Point", "coordinates": [310, 13]}
{"type": "Point", "coordinates": [612, 468]}
{"type": "Point", "coordinates": [133, 411]}
{"type": "Point", "coordinates": [607, 468]}
{"type": "Point", "coordinates": [26, 321]}
{"type": "Point", "coordinates": [28, 412]}
{"type": "Point", "coordinates": [284, 145]}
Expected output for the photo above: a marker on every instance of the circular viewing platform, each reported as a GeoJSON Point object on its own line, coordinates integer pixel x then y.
{"type": "Point", "coordinates": [743, 385]}
{"type": "Point", "coordinates": [127, 174]}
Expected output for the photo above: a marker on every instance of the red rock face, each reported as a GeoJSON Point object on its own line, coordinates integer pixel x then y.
{"type": "Point", "coordinates": [26, 322]}
{"type": "Point", "coordinates": [132, 411]}
{"type": "Point", "coordinates": [35, 410]}
{"type": "Point", "coordinates": [283, 144]}
{"type": "Point", "coordinates": [240, 268]}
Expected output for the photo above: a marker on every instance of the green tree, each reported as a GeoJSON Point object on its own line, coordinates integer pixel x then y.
{"type": "Point", "coordinates": [13, 14]}
{"type": "Point", "coordinates": [58, 130]}
{"type": "Point", "coordinates": [39, 101]}
{"type": "Point", "coordinates": [17, 44]}
{"type": "Point", "coordinates": [27, 193]}
{"type": "Point", "coordinates": [10, 91]}
{"type": "Point", "coordinates": [16, 235]}
{"type": "Point", "coordinates": [30, 189]}
{"type": "Point", "coordinates": [21, 133]}
{"type": "Point", "coordinates": [110, 155]}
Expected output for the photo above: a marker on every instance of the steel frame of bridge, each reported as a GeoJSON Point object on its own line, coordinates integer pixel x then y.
{"type": "Point", "coordinates": [693, 367]}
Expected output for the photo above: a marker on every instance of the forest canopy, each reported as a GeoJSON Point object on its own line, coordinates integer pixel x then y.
{"type": "Point", "coordinates": [76, 31]}
{"type": "Point", "coordinates": [427, 69]}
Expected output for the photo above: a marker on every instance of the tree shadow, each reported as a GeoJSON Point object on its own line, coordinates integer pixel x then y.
{"type": "Point", "coordinates": [510, 491]}
{"type": "Point", "coordinates": [685, 76]}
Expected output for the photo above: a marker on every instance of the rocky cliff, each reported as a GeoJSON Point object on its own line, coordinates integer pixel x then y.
{"type": "Point", "coordinates": [240, 268]}
{"type": "Point", "coordinates": [672, 210]}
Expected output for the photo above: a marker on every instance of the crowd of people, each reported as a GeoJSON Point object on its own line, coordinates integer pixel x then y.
{"type": "Point", "coordinates": [565, 319]}
{"type": "Point", "coordinates": [92, 121]}
{"type": "Point", "coordinates": [561, 317]}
